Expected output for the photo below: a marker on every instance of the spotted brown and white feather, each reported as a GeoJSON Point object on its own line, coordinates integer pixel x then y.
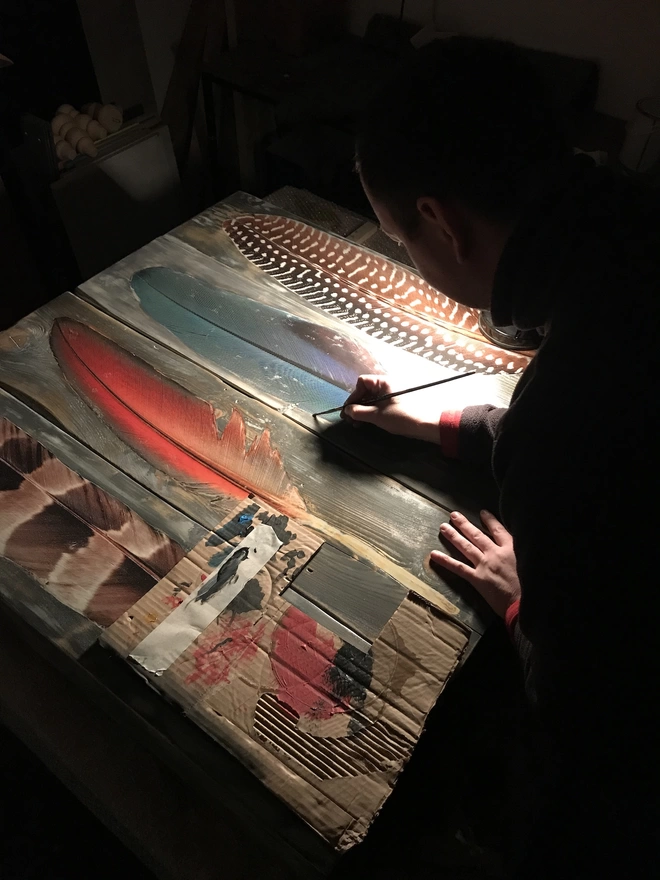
{"type": "Point", "coordinates": [370, 292]}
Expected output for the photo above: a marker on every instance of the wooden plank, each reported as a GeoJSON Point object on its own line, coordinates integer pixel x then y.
{"type": "Point", "coordinates": [363, 598]}
{"type": "Point", "coordinates": [419, 466]}
{"type": "Point", "coordinates": [368, 515]}
{"type": "Point", "coordinates": [69, 631]}
{"type": "Point", "coordinates": [88, 549]}
{"type": "Point", "coordinates": [67, 628]}
{"type": "Point", "coordinates": [381, 296]}
{"type": "Point", "coordinates": [84, 461]}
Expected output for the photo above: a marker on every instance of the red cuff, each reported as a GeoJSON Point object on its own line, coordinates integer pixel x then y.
{"type": "Point", "coordinates": [450, 421]}
{"type": "Point", "coordinates": [511, 616]}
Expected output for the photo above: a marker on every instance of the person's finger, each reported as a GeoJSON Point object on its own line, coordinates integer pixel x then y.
{"type": "Point", "coordinates": [497, 531]}
{"type": "Point", "coordinates": [357, 413]}
{"type": "Point", "coordinates": [453, 565]}
{"type": "Point", "coordinates": [471, 532]}
{"type": "Point", "coordinates": [466, 547]}
{"type": "Point", "coordinates": [368, 386]}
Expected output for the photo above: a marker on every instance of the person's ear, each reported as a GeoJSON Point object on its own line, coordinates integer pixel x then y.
{"type": "Point", "coordinates": [449, 223]}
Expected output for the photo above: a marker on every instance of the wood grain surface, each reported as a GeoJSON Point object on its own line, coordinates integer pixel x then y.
{"type": "Point", "coordinates": [418, 466]}
{"type": "Point", "coordinates": [363, 598]}
{"type": "Point", "coordinates": [370, 516]}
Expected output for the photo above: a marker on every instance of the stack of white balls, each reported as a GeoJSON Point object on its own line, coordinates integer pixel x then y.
{"type": "Point", "coordinates": [75, 132]}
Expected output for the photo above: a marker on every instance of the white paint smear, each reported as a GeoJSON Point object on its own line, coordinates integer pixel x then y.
{"type": "Point", "coordinates": [157, 651]}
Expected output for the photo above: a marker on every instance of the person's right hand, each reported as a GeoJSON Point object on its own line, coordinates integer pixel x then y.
{"type": "Point", "coordinates": [413, 415]}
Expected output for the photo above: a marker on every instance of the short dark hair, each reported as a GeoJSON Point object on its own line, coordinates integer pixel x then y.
{"type": "Point", "coordinates": [465, 119]}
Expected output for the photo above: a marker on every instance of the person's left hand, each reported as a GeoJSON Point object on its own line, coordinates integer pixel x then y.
{"type": "Point", "coordinates": [493, 571]}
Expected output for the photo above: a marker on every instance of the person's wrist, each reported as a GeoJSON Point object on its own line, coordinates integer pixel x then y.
{"type": "Point", "coordinates": [428, 431]}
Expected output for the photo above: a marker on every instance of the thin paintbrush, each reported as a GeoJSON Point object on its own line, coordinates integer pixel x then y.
{"type": "Point", "coordinates": [372, 400]}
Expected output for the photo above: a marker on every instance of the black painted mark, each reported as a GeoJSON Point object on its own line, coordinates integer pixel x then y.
{"type": "Point", "coordinates": [350, 679]}
{"type": "Point", "coordinates": [250, 598]}
{"type": "Point", "coordinates": [290, 558]}
{"type": "Point", "coordinates": [228, 574]}
{"type": "Point", "coordinates": [278, 523]}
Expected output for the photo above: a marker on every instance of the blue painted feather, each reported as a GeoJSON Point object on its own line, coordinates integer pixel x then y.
{"type": "Point", "coordinates": [272, 350]}
{"type": "Point", "coordinates": [329, 354]}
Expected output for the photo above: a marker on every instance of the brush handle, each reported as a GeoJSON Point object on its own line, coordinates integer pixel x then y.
{"type": "Point", "coordinates": [372, 400]}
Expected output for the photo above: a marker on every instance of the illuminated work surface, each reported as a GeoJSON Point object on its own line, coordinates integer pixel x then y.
{"type": "Point", "coordinates": [178, 381]}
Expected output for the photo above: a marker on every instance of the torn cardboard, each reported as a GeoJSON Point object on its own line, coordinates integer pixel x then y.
{"type": "Point", "coordinates": [326, 726]}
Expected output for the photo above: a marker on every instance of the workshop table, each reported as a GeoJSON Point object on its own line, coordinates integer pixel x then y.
{"type": "Point", "coordinates": [110, 469]}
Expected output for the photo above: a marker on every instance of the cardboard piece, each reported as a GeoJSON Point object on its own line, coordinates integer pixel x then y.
{"type": "Point", "coordinates": [324, 725]}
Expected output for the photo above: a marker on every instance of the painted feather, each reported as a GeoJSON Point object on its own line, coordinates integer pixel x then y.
{"type": "Point", "coordinates": [151, 549]}
{"type": "Point", "coordinates": [167, 425]}
{"type": "Point", "coordinates": [86, 548]}
{"type": "Point", "coordinates": [328, 354]}
{"type": "Point", "coordinates": [368, 291]}
{"type": "Point", "coordinates": [181, 304]}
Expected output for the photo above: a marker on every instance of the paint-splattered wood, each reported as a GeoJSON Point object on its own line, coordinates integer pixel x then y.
{"type": "Point", "coordinates": [210, 295]}
{"type": "Point", "coordinates": [201, 445]}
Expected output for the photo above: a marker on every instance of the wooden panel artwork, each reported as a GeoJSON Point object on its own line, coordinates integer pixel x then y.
{"type": "Point", "coordinates": [229, 317]}
{"type": "Point", "coordinates": [303, 363]}
{"type": "Point", "coordinates": [202, 446]}
{"type": "Point", "coordinates": [86, 548]}
{"type": "Point", "coordinates": [167, 426]}
{"type": "Point", "coordinates": [367, 290]}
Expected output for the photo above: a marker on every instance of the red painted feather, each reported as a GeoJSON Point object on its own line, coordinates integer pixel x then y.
{"type": "Point", "coordinates": [166, 424]}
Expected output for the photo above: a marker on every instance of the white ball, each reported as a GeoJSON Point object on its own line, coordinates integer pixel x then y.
{"type": "Point", "coordinates": [86, 145]}
{"type": "Point", "coordinates": [60, 120]}
{"type": "Point", "coordinates": [65, 151]}
{"type": "Point", "coordinates": [74, 135]}
{"type": "Point", "coordinates": [66, 128]}
{"type": "Point", "coordinates": [69, 109]}
{"type": "Point", "coordinates": [96, 131]}
{"type": "Point", "coordinates": [110, 117]}
{"type": "Point", "coordinates": [83, 120]}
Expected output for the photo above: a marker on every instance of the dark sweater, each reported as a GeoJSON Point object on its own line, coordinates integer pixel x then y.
{"type": "Point", "coordinates": [575, 458]}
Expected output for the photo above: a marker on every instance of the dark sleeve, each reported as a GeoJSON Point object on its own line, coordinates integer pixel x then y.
{"type": "Point", "coordinates": [469, 434]}
{"type": "Point", "coordinates": [523, 647]}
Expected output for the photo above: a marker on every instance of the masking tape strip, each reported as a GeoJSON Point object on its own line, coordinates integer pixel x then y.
{"type": "Point", "coordinates": [157, 651]}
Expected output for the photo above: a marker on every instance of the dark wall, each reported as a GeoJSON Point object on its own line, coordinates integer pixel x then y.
{"type": "Point", "coordinates": [52, 66]}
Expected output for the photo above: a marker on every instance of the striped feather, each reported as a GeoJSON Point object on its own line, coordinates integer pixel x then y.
{"type": "Point", "coordinates": [370, 292]}
{"type": "Point", "coordinates": [86, 548]}
{"type": "Point", "coordinates": [166, 424]}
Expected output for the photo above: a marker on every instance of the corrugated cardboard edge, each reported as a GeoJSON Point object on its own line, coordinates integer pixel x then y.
{"type": "Point", "coordinates": [413, 658]}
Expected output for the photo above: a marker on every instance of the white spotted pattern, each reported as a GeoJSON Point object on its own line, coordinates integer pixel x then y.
{"type": "Point", "coordinates": [448, 331]}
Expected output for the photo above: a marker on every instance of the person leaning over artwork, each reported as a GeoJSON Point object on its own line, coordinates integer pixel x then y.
{"type": "Point", "coordinates": [465, 166]}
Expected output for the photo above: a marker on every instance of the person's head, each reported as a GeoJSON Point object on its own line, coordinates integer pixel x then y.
{"type": "Point", "coordinates": [451, 151]}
